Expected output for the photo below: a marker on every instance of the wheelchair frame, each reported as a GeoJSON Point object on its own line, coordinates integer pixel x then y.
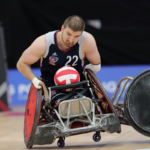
{"type": "Point", "coordinates": [101, 114]}
{"type": "Point", "coordinates": [95, 120]}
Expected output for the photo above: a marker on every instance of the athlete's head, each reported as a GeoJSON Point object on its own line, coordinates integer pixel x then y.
{"type": "Point", "coordinates": [75, 23]}
{"type": "Point", "coordinates": [72, 30]}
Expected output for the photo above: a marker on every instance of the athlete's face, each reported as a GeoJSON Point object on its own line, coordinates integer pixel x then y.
{"type": "Point", "coordinates": [70, 37]}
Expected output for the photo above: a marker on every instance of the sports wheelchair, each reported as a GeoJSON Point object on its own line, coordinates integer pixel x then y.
{"type": "Point", "coordinates": [43, 124]}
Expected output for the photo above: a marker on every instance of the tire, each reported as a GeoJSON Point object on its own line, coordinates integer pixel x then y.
{"type": "Point", "coordinates": [32, 114]}
{"type": "Point", "coordinates": [135, 107]}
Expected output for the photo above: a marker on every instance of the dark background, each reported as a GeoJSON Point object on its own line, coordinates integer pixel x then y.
{"type": "Point", "coordinates": [123, 39]}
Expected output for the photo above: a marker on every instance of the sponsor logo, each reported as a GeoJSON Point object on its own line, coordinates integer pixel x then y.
{"type": "Point", "coordinates": [54, 54]}
{"type": "Point", "coordinates": [53, 60]}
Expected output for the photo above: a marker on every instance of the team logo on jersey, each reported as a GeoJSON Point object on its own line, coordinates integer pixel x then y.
{"type": "Point", "coordinates": [53, 60]}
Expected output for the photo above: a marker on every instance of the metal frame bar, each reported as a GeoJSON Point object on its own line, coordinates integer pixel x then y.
{"type": "Point", "coordinates": [68, 115]}
{"type": "Point", "coordinates": [86, 112]}
{"type": "Point", "coordinates": [90, 89]}
{"type": "Point", "coordinates": [122, 89]}
{"type": "Point", "coordinates": [79, 120]}
{"type": "Point", "coordinates": [93, 113]}
{"type": "Point", "coordinates": [49, 94]}
{"type": "Point", "coordinates": [60, 119]}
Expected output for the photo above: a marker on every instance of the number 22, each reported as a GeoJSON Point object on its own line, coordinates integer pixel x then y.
{"type": "Point", "coordinates": [74, 57]}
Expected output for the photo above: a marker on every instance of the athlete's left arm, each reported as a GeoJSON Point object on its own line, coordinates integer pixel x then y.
{"type": "Point", "coordinates": [91, 51]}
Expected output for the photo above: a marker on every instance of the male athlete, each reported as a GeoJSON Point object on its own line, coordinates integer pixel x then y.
{"type": "Point", "coordinates": [68, 46]}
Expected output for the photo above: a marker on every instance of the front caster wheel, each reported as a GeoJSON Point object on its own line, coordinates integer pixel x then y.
{"type": "Point", "coordinates": [96, 137]}
{"type": "Point", "coordinates": [61, 143]}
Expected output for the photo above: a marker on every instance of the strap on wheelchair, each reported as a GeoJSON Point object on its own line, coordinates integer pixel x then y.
{"type": "Point", "coordinates": [68, 95]}
{"type": "Point", "coordinates": [80, 94]}
{"type": "Point", "coordinates": [71, 94]}
{"type": "Point", "coordinates": [65, 97]}
{"type": "Point", "coordinates": [46, 95]}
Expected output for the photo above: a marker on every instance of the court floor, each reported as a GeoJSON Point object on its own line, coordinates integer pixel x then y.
{"type": "Point", "coordinates": [11, 137]}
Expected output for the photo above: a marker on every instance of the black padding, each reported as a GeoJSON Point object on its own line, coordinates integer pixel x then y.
{"type": "Point", "coordinates": [137, 103]}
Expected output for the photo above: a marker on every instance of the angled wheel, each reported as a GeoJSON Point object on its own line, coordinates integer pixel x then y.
{"type": "Point", "coordinates": [32, 114]}
{"type": "Point", "coordinates": [137, 103]}
{"type": "Point", "coordinates": [101, 93]}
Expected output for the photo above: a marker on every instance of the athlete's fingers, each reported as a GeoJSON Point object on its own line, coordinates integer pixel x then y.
{"type": "Point", "coordinates": [41, 83]}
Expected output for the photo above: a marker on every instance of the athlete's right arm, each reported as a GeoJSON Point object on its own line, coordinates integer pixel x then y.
{"type": "Point", "coordinates": [31, 55]}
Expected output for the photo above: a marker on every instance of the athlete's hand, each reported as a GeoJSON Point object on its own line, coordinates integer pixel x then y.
{"type": "Point", "coordinates": [37, 83]}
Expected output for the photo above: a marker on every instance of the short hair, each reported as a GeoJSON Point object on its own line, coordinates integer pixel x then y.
{"type": "Point", "coordinates": [76, 23]}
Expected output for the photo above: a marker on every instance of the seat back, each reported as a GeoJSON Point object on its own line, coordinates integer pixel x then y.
{"type": "Point", "coordinates": [75, 107]}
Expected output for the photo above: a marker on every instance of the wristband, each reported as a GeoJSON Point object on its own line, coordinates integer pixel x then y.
{"type": "Point", "coordinates": [36, 82]}
{"type": "Point", "coordinates": [94, 67]}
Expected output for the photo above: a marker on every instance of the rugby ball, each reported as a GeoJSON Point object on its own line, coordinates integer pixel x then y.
{"type": "Point", "coordinates": [66, 75]}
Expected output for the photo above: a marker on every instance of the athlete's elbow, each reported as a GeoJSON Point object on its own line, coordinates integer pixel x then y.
{"type": "Point", "coordinates": [17, 65]}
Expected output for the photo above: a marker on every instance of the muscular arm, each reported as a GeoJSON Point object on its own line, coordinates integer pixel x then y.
{"type": "Point", "coordinates": [90, 49]}
{"type": "Point", "coordinates": [31, 55]}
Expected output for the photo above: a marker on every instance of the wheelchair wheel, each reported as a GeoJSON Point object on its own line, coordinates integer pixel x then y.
{"type": "Point", "coordinates": [101, 93]}
{"type": "Point", "coordinates": [32, 114]}
{"type": "Point", "coordinates": [137, 103]}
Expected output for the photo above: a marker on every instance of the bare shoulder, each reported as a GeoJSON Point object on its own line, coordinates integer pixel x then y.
{"type": "Point", "coordinates": [39, 45]}
{"type": "Point", "coordinates": [89, 42]}
{"type": "Point", "coordinates": [88, 37]}
{"type": "Point", "coordinates": [35, 51]}
{"type": "Point", "coordinates": [89, 49]}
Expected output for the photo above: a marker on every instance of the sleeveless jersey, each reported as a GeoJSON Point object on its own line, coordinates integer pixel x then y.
{"type": "Point", "coordinates": [54, 58]}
